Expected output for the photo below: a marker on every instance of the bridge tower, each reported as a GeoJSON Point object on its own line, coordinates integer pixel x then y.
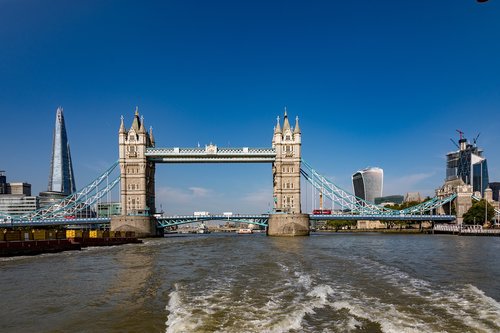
{"type": "Point", "coordinates": [287, 219]}
{"type": "Point", "coordinates": [286, 168]}
{"type": "Point", "coordinates": [137, 186]}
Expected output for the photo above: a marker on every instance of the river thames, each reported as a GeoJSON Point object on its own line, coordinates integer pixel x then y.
{"type": "Point", "coordinates": [337, 282]}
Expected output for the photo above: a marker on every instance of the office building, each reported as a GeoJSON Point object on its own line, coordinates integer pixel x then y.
{"type": "Point", "coordinates": [468, 164]}
{"type": "Point", "coordinates": [15, 198]}
{"type": "Point", "coordinates": [368, 183]}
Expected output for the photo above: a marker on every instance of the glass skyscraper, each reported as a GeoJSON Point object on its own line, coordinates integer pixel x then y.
{"type": "Point", "coordinates": [368, 183]}
{"type": "Point", "coordinates": [61, 177]}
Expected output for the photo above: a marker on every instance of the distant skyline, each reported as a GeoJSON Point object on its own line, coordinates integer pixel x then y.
{"type": "Point", "coordinates": [374, 83]}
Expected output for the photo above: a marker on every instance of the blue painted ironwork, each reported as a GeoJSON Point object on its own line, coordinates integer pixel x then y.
{"type": "Point", "coordinates": [385, 217]}
{"type": "Point", "coordinates": [359, 209]}
{"type": "Point", "coordinates": [73, 203]}
{"type": "Point", "coordinates": [363, 209]}
{"type": "Point", "coordinates": [169, 221]}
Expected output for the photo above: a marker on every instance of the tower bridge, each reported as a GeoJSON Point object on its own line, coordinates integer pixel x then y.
{"type": "Point", "coordinates": [138, 157]}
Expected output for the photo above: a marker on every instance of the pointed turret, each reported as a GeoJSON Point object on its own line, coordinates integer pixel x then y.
{"type": "Point", "coordinates": [277, 129]}
{"type": "Point", "coordinates": [142, 130]}
{"type": "Point", "coordinates": [297, 128]}
{"type": "Point", "coordinates": [136, 123]}
{"type": "Point", "coordinates": [122, 126]}
{"type": "Point", "coordinates": [286, 124]}
{"type": "Point", "coordinates": [151, 137]}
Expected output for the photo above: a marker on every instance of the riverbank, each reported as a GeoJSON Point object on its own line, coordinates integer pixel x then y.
{"type": "Point", "coordinates": [387, 231]}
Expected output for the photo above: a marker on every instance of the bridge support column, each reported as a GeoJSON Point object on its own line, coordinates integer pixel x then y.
{"type": "Point", "coordinates": [288, 225]}
{"type": "Point", "coordinates": [143, 226]}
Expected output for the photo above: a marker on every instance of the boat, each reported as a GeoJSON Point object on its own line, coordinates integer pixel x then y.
{"type": "Point", "coordinates": [202, 229]}
{"type": "Point", "coordinates": [244, 231]}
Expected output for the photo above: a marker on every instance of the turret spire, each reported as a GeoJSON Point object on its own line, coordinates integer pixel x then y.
{"type": "Point", "coordinates": [286, 123]}
{"type": "Point", "coordinates": [277, 129]}
{"type": "Point", "coordinates": [297, 128]}
{"type": "Point", "coordinates": [122, 126]}
{"type": "Point", "coordinates": [142, 130]}
{"type": "Point", "coordinates": [136, 123]}
{"type": "Point", "coordinates": [151, 137]}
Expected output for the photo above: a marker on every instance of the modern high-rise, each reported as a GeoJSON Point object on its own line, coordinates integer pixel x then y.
{"type": "Point", "coordinates": [368, 183]}
{"type": "Point", "coordinates": [61, 177]}
{"type": "Point", "coordinates": [468, 164]}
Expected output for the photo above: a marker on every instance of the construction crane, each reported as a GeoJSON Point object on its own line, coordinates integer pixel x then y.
{"type": "Point", "coordinates": [475, 139]}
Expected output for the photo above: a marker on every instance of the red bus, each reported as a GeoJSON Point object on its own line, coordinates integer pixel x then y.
{"type": "Point", "coordinates": [322, 212]}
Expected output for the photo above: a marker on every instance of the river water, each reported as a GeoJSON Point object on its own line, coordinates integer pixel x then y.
{"type": "Point", "coordinates": [252, 283]}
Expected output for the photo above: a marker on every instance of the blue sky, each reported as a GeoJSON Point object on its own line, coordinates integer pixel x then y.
{"type": "Point", "coordinates": [375, 83]}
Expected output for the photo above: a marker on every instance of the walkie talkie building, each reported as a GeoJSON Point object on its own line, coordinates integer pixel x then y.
{"type": "Point", "coordinates": [368, 183]}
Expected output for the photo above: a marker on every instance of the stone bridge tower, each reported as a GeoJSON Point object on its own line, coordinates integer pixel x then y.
{"type": "Point", "coordinates": [286, 168]}
{"type": "Point", "coordinates": [287, 219]}
{"type": "Point", "coordinates": [137, 186]}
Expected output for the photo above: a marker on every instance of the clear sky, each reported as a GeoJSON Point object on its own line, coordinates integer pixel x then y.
{"type": "Point", "coordinates": [375, 83]}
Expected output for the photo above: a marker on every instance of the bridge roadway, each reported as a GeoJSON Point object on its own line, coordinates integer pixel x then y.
{"type": "Point", "coordinates": [258, 219]}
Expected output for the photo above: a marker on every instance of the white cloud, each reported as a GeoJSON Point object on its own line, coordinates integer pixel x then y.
{"type": "Point", "coordinates": [174, 195]}
{"type": "Point", "coordinates": [408, 183]}
{"type": "Point", "coordinates": [261, 197]}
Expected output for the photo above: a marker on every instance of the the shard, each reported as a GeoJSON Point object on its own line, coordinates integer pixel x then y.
{"type": "Point", "coordinates": [61, 177]}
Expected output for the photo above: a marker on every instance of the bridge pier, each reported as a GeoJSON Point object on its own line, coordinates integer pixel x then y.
{"type": "Point", "coordinates": [143, 226]}
{"type": "Point", "coordinates": [294, 224]}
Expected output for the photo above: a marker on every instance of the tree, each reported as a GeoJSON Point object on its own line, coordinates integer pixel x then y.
{"type": "Point", "coordinates": [339, 224]}
{"type": "Point", "coordinates": [475, 215]}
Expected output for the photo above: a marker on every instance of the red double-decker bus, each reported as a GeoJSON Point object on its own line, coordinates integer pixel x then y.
{"type": "Point", "coordinates": [322, 212]}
